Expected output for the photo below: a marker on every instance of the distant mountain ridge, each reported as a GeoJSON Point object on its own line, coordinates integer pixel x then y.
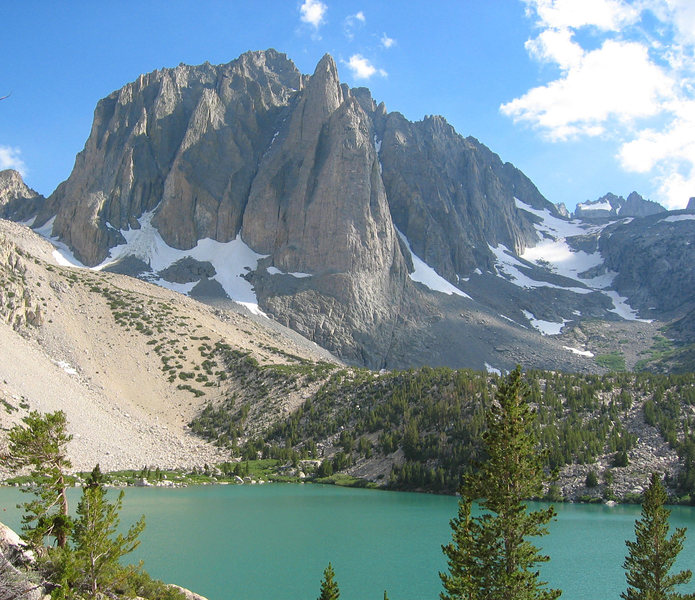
{"type": "Point", "coordinates": [388, 242]}
{"type": "Point", "coordinates": [612, 206]}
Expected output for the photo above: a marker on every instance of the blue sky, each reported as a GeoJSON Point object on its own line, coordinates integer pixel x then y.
{"type": "Point", "coordinates": [584, 96]}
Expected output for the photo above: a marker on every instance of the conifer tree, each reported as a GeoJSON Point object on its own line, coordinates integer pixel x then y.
{"type": "Point", "coordinates": [41, 443]}
{"type": "Point", "coordinates": [329, 587]}
{"type": "Point", "coordinates": [490, 557]}
{"type": "Point", "coordinates": [652, 554]}
{"type": "Point", "coordinates": [95, 564]}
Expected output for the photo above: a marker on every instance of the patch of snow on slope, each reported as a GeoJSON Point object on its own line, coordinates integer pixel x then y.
{"type": "Point", "coordinates": [70, 370]}
{"type": "Point", "coordinates": [62, 254]}
{"type": "Point", "coordinates": [579, 352]}
{"type": "Point", "coordinates": [509, 265]}
{"type": "Point", "coordinates": [276, 271]}
{"type": "Point", "coordinates": [600, 206]}
{"type": "Point", "coordinates": [545, 327]}
{"type": "Point", "coordinates": [553, 249]}
{"type": "Point", "coordinates": [231, 260]}
{"type": "Point", "coordinates": [674, 218]}
{"type": "Point", "coordinates": [426, 275]}
{"type": "Point", "coordinates": [622, 308]}
{"type": "Point", "coordinates": [490, 369]}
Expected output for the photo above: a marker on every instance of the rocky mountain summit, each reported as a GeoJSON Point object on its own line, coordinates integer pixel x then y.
{"type": "Point", "coordinates": [388, 242]}
{"type": "Point", "coordinates": [17, 201]}
{"type": "Point", "coordinates": [611, 206]}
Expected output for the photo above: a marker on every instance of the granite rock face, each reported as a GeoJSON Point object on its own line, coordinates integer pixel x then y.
{"type": "Point", "coordinates": [18, 202]}
{"type": "Point", "coordinates": [391, 243]}
{"type": "Point", "coordinates": [654, 258]}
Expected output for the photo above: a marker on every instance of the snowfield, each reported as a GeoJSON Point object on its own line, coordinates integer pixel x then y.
{"type": "Point", "coordinates": [426, 275]}
{"type": "Point", "coordinates": [555, 254]}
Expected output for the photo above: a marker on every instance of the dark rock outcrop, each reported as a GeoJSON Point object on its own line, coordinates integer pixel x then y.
{"type": "Point", "coordinates": [654, 259]}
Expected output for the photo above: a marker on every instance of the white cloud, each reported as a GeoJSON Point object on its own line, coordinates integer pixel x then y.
{"type": "Point", "coordinates": [362, 68]}
{"type": "Point", "coordinates": [556, 45]}
{"type": "Point", "coordinates": [10, 159]}
{"type": "Point", "coordinates": [351, 22]}
{"type": "Point", "coordinates": [617, 80]}
{"type": "Point", "coordinates": [605, 15]}
{"type": "Point", "coordinates": [386, 41]}
{"type": "Point", "coordinates": [313, 12]}
{"type": "Point", "coordinates": [630, 80]}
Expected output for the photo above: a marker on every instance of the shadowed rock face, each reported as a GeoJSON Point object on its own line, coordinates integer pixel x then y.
{"type": "Point", "coordinates": [654, 259]}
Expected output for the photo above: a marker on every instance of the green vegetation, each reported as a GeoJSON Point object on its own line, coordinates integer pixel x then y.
{"type": "Point", "coordinates": [41, 443]}
{"type": "Point", "coordinates": [329, 587]}
{"type": "Point", "coordinates": [490, 555]}
{"type": "Point", "coordinates": [85, 562]}
{"type": "Point", "coordinates": [614, 361]}
{"type": "Point", "coordinates": [436, 418]}
{"type": "Point", "coordinates": [652, 555]}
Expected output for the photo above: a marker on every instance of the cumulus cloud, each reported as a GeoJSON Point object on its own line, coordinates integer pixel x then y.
{"type": "Point", "coordinates": [386, 41]}
{"type": "Point", "coordinates": [632, 80]}
{"type": "Point", "coordinates": [313, 12]}
{"type": "Point", "coordinates": [360, 16]}
{"type": "Point", "coordinates": [617, 81]}
{"type": "Point", "coordinates": [362, 68]}
{"type": "Point", "coordinates": [606, 15]}
{"type": "Point", "coordinates": [10, 159]}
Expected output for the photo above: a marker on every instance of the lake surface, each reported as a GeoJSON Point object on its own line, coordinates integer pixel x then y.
{"type": "Point", "coordinates": [273, 541]}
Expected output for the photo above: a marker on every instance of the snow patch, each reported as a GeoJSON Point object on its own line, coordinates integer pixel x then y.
{"type": "Point", "coordinates": [231, 260]}
{"type": "Point", "coordinates": [675, 218]}
{"type": "Point", "coordinates": [579, 352]}
{"type": "Point", "coordinates": [491, 369]}
{"type": "Point", "coordinates": [622, 308]}
{"type": "Point", "coordinates": [426, 275]}
{"type": "Point", "coordinates": [509, 265]}
{"type": "Point", "coordinates": [69, 369]}
{"type": "Point", "coordinates": [599, 206]}
{"type": "Point", "coordinates": [545, 327]}
{"type": "Point", "coordinates": [276, 271]}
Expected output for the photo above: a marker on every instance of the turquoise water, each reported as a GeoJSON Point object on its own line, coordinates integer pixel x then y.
{"type": "Point", "coordinates": [273, 541]}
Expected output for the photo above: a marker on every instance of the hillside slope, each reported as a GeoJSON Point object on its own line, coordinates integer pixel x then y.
{"type": "Point", "coordinates": [110, 350]}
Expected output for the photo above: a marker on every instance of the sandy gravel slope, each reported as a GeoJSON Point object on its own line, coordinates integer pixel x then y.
{"type": "Point", "coordinates": [98, 352]}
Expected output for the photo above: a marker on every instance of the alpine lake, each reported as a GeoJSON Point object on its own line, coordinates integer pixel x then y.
{"type": "Point", "coordinates": [272, 541]}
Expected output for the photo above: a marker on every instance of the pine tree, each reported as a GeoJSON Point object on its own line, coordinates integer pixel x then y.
{"type": "Point", "coordinates": [329, 587]}
{"type": "Point", "coordinates": [489, 556]}
{"type": "Point", "coordinates": [42, 444]}
{"type": "Point", "coordinates": [97, 547]}
{"type": "Point", "coordinates": [652, 554]}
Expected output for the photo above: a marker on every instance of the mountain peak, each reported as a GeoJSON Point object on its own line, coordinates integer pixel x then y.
{"type": "Point", "coordinates": [17, 200]}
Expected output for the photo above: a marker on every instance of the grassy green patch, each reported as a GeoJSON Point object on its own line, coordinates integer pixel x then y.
{"type": "Point", "coordinates": [345, 480]}
{"type": "Point", "coordinates": [614, 361]}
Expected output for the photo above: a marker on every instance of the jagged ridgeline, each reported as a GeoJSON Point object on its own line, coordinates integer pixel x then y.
{"type": "Point", "coordinates": [421, 429]}
{"type": "Point", "coordinates": [388, 242]}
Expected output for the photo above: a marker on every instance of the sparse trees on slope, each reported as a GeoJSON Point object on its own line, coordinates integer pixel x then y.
{"type": "Point", "coordinates": [490, 557]}
{"type": "Point", "coordinates": [41, 443]}
{"type": "Point", "coordinates": [652, 554]}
